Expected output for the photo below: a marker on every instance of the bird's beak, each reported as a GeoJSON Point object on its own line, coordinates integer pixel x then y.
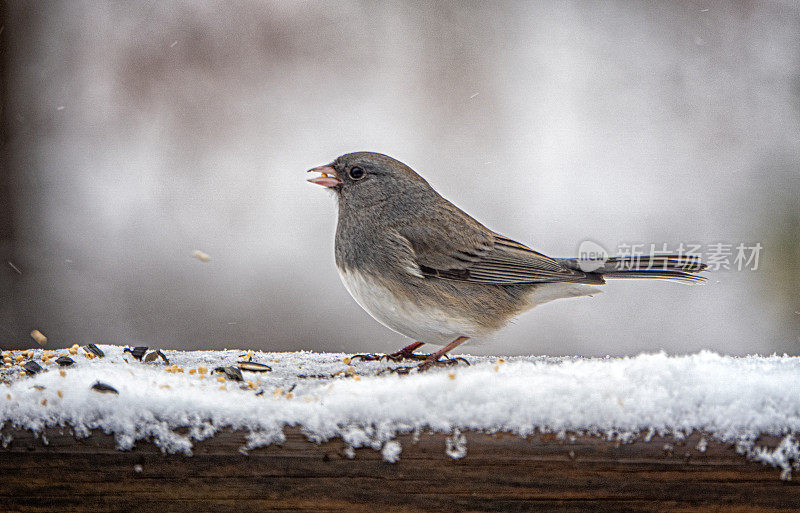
{"type": "Point", "coordinates": [328, 177]}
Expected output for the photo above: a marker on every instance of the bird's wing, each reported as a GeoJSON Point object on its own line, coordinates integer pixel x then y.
{"type": "Point", "coordinates": [456, 247]}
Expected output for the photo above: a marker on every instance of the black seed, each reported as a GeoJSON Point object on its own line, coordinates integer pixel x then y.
{"type": "Point", "coordinates": [64, 361]}
{"type": "Point", "coordinates": [32, 367]}
{"type": "Point", "coordinates": [155, 354]}
{"type": "Point", "coordinates": [231, 372]}
{"type": "Point", "coordinates": [104, 388]}
{"type": "Point", "coordinates": [94, 350]}
{"type": "Point", "coordinates": [253, 367]}
{"type": "Point", "coordinates": [137, 352]}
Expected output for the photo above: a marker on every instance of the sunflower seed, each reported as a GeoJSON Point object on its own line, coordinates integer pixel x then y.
{"type": "Point", "coordinates": [104, 388]}
{"type": "Point", "coordinates": [231, 372]}
{"type": "Point", "coordinates": [64, 361]}
{"type": "Point", "coordinates": [91, 348]}
{"type": "Point", "coordinates": [32, 367]}
{"type": "Point", "coordinates": [137, 352]}
{"type": "Point", "coordinates": [253, 366]}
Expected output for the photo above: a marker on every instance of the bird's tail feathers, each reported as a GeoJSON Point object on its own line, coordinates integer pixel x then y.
{"type": "Point", "coordinates": [681, 268]}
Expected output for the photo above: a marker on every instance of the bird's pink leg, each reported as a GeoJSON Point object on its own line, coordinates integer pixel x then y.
{"type": "Point", "coordinates": [408, 352]}
{"type": "Point", "coordinates": [433, 358]}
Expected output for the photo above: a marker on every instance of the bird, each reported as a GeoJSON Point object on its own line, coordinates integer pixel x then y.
{"type": "Point", "coordinates": [424, 268]}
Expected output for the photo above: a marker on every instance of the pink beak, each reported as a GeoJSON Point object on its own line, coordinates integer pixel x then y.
{"type": "Point", "coordinates": [328, 178]}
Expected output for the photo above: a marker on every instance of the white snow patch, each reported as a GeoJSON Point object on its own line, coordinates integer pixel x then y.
{"type": "Point", "coordinates": [456, 445]}
{"type": "Point", "coordinates": [391, 451]}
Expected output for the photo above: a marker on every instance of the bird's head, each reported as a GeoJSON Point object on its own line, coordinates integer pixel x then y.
{"type": "Point", "coordinates": [367, 178]}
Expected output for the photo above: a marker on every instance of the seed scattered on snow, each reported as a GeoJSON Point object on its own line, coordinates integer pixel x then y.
{"type": "Point", "coordinates": [32, 367]}
{"type": "Point", "coordinates": [253, 366]}
{"type": "Point", "coordinates": [65, 361]}
{"type": "Point", "coordinates": [104, 388]}
{"type": "Point", "coordinates": [232, 373]}
{"type": "Point", "coordinates": [93, 349]}
{"type": "Point", "coordinates": [156, 354]}
{"type": "Point", "coordinates": [137, 352]}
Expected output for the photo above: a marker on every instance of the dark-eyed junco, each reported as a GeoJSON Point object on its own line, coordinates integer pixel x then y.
{"type": "Point", "coordinates": [423, 268]}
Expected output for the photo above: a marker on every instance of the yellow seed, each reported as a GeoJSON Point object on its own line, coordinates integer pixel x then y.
{"type": "Point", "coordinates": [222, 387]}
{"type": "Point", "coordinates": [357, 377]}
{"type": "Point", "coordinates": [278, 391]}
{"type": "Point", "coordinates": [451, 376]}
{"type": "Point", "coordinates": [308, 399]}
{"type": "Point", "coordinates": [62, 372]}
{"type": "Point", "coordinates": [19, 358]}
{"type": "Point", "coordinates": [6, 365]}
{"type": "Point", "coordinates": [44, 402]}
{"type": "Point", "coordinates": [501, 360]}
{"type": "Point", "coordinates": [203, 257]}
{"type": "Point", "coordinates": [221, 379]}
{"type": "Point", "coordinates": [496, 368]}
{"type": "Point", "coordinates": [202, 377]}
{"type": "Point", "coordinates": [202, 369]}
{"type": "Point", "coordinates": [6, 360]}
{"type": "Point", "coordinates": [347, 361]}
{"type": "Point", "coordinates": [8, 396]}
{"type": "Point", "coordinates": [178, 369]}
{"type": "Point", "coordinates": [30, 354]}
{"type": "Point", "coordinates": [75, 346]}
{"type": "Point", "coordinates": [165, 386]}
{"type": "Point", "coordinates": [62, 354]}
{"type": "Point", "coordinates": [351, 369]}
{"type": "Point", "coordinates": [289, 395]}
{"type": "Point", "coordinates": [251, 384]}
{"type": "Point", "coordinates": [39, 337]}
{"type": "Point", "coordinates": [22, 373]}
{"type": "Point", "coordinates": [60, 393]}
{"type": "Point", "coordinates": [192, 371]}
{"type": "Point", "coordinates": [73, 351]}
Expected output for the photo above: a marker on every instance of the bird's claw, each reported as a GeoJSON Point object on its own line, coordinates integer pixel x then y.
{"type": "Point", "coordinates": [427, 364]}
{"type": "Point", "coordinates": [395, 357]}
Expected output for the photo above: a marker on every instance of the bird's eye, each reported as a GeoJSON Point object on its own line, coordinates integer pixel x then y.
{"type": "Point", "coordinates": [356, 173]}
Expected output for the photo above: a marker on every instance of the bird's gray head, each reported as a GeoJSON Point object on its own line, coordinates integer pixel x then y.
{"type": "Point", "coordinates": [364, 179]}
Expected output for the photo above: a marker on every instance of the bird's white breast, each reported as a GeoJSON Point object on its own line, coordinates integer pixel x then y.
{"type": "Point", "coordinates": [421, 322]}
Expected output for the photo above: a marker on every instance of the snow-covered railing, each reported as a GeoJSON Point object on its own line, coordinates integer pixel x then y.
{"type": "Point", "coordinates": [653, 407]}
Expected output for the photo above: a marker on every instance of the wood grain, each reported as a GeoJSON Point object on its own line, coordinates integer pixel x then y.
{"type": "Point", "coordinates": [500, 473]}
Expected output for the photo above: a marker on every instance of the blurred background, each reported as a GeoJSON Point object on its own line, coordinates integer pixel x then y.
{"type": "Point", "coordinates": [136, 133]}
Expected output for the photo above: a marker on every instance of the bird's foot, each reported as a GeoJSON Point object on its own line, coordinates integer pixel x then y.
{"type": "Point", "coordinates": [407, 353]}
{"type": "Point", "coordinates": [428, 363]}
{"type": "Point", "coordinates": [399, 356]}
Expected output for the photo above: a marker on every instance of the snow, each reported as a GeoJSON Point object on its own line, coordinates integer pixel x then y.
{"type": "Point", "coordinates": [729, 399]}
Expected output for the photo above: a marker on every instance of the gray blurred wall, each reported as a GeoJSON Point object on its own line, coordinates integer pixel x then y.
{"type": "Point", "coordinates": [135, 133]}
